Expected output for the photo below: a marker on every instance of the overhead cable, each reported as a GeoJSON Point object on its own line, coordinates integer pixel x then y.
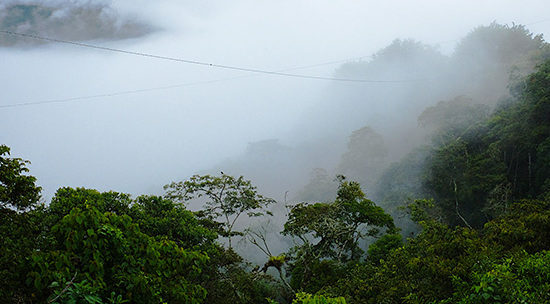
{"type": "Point", "coordinates": [202, 63]}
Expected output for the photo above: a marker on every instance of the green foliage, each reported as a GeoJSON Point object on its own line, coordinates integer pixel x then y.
{"type": "Point", "coordinates": [277, 261]}
{"type": "Point", "coordinates": [17, 190]}
{"type": "Point", "coordinates": [163, 218]}
{"type": "Point", "coordinates": [227, 277]}
{"type": "Point", "coordinates": [82, 292]}
{"type": "Point", "coordinates": [524, 227]}
{"type": "Point", "coordinates": [305, 298]}
{"type": "Point", "coordinates": [506, 261]}
{"type": "Point", "coordinates": [233, 282]}
{"type": "Point", "coordinates": [113, 255]}
{"type": "Point", "coordinates": [19, 237]}
{"type": "Point", "coordinates": [461, 175]}
{"type": "Point", "coordinates": [383, 246]}
{"type": "Point", "coordinates": [521, 278]}
{"type": "Point", "coordinates": [311, 274]}
{"type": "Point", "coordinates": [331, 231]}
{"type": "Point", "coordinates": [521, 131]}
{"type": "Point", "coordinates": [338, 225]}
{"type": "Point", "coordinates": [20, 223]}
{"type": "Point", "coordinates": [475, 174]}
{"type": "Point", "coordinates": [66, 199]}
{"type": "Point", "coordinates": [402, 182]}
{"type": "Point", "coordinates": [420, 270]}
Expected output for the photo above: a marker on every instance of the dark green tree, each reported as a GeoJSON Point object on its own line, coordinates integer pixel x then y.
{"type": "Point", "coordinates": [20, 225]}
{"type": "Point", "coordinates": [17, 190]}
{"type": "Point", "coordinates": [111, 253]}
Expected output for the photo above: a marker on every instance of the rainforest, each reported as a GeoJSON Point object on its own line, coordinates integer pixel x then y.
{"type": "Point", "coordinates": [432, 188]}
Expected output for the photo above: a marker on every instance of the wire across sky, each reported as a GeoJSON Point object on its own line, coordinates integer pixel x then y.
{"type": "Point", "coordinates": [254, 71]}
{"type": "Point", "coordinates": [202, 63]}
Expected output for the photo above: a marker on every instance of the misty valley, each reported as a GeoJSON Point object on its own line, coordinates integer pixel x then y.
{"type": "Point", "coordinates": [415, 177]}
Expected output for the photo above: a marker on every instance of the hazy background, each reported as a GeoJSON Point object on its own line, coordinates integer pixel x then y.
{"type": "Point", "coordinates": [273, 129]}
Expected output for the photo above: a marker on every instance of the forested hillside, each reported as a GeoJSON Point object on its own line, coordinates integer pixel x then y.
{"type": "Point", "coordinates": [463, 217]}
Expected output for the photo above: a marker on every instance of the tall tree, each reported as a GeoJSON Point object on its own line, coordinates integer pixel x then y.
{"type": "Point", "coordinates": [17, 190]}
{"type": "Point", "coordinates": [365, 157]}
{"type": "Point", "coordinates": [228, 198]}
{"type": "Point", "coordinates": [20, 225]}
{"type": "Point", "coordinates": [332, 231]}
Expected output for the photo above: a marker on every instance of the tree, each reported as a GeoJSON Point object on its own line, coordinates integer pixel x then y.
{"type": "Point", "coordinates": [320, 188]}
{"type": "Point", "coordinates": [521, 278]}
{"type": "Point", "coordinates": [228, 198]}
{"type": "Point", "coordinates": [490, 56]}
{"type": "Point", "coordinates": [162, 218]}
{"type": "Point", "coordinates": [365, 157]}
{"type": "Point", "coordinates": [258, 237]}
{"type": "Point", "coordinates": [305, 298]}
{"type": "Point", "coordinates": [17, 190]}
{"type": "Point", "coordinates": [109, 252]}
{"type": "Point", "coordinates": [475, 173]}
{"type": "Point", "coordinates": [461, 175]}
{"type": "Point", "coordinates": [20, 225]}
{"type": "Point", "coordinates": [450, 119]}
{"type": "Point", "coordinates": [402, 182]}
{"type": "Point", "coordinates": [330, 234]}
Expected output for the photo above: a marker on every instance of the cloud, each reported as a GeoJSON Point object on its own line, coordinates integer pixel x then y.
{"type": "Point", "coordinates": [68, 20]}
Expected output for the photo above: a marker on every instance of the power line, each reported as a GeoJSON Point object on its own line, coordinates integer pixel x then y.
{"type": "Point", "coordinates": [82, 98]}
{"type": "Point", "coordinates": [195, 62]}
{"type": "Point", "coordinates": [118, 93]}
{"type": "Point", "coordinates": [279, 72]}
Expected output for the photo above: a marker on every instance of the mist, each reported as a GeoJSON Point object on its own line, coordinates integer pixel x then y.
{"type": "Point", "coordinates": [290, 136]}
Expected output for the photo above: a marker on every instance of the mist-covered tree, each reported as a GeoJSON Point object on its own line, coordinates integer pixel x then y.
{"type": "Point", "coordinates": [329, 235]}
{"type": "Point", "coordinates": [402, 57]}
{"type": "Point", "coordinates": [320, 188]}
{"type": "Point", "coordinates": [447, 120]}
{"type": "Point", "coordinates": [227, 199]}
{"type": "Point", "coordinates": [364, 158]}
{"type": "Point", "coordinates": [489, 56]}
{"type": "Point", "coordinates": [401, 183]}
{"type": "Point", "coordinates": [522, 133]}
{"type": "Point", "coordinates": [505, 45]}
{"type": "Point", "coordinates": [479, 171]}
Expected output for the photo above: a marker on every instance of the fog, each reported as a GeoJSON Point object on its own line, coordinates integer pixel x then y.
{"type": "Point", "coordinates": [273, 129]}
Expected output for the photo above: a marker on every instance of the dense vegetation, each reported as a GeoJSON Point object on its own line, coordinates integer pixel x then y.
{"type": "Point", "coordinates": [478, 195]}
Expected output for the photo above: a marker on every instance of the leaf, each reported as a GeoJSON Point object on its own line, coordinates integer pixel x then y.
{"type": "Point", "coordinates": [54, 284]}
